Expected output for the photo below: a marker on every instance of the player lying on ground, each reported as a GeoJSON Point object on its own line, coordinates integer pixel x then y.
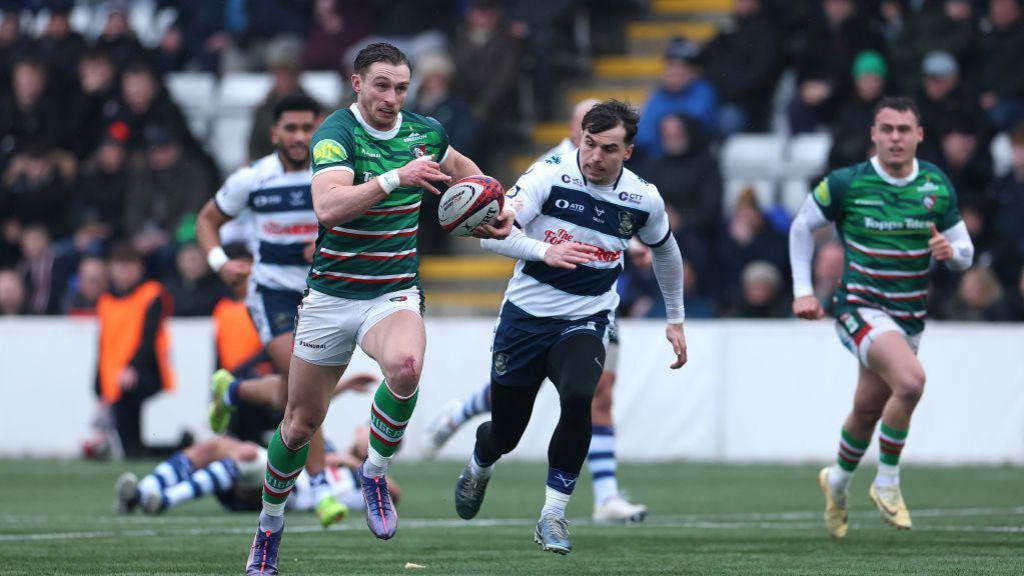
{"type": "Point", "coordinates": [610, 505]}
{"type": "Point", "coordinates": [232, 470]}
{"type": "Point", "coordinates": [894, 215]}
{"type": "Point", "coordinates": [577, 212]}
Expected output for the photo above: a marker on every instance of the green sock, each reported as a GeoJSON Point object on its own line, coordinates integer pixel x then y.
{"type": "Point", "coordinates": [851, 451]}
{"type": "Point", "coordinates": [890, 444]}
{"type": "Point", "coordinates": [389, 416]}
{"type": "Point", "coordinates": [283, 468]}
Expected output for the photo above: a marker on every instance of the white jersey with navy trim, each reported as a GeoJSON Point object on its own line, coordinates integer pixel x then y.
{"type": "Point", "coordinates": [554, 203]}
{"type": "Point", "coordinates": [283, 221]}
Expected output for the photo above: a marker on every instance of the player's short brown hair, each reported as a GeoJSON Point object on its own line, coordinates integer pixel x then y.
{"type": "Point", "coordinates": [379, 52]}
{"type": "Point", "coordinates": [899, 104]}
{"type": "Point", "coordinates": [608, 115]}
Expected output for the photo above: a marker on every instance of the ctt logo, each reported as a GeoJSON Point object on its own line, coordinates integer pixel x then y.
{"type": "Point", "coordinates": [564, 204]}
{"type": "Point", "coordinates": [566, 179]}
{"type": "Point", "coordinates": [630, 197]}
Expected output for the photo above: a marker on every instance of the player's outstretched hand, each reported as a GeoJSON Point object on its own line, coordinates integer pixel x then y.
{"type": "Point", "coordinates": [808, 308]}
{"type": "Point", "coordinates": [421, 172]}
{"type": "Point", "coordinates": [499, 229]}
{"type": "Point", "coordinates": [940, 247]}
{"type": "Point", "coordinates": [676, 337]}
{"type": "Point", "coordinates": [569, 254]}
{"type": "Point", "coordinates": [235, 272]}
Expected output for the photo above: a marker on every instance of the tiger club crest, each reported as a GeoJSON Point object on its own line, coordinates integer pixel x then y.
{"type": "Point", "coordinates": [418, 150]}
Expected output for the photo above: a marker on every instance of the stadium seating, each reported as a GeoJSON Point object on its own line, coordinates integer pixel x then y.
{"type": "Point", "coordinates": [193, 92]}
{"type": "Point", "coordinates": [326, 87]}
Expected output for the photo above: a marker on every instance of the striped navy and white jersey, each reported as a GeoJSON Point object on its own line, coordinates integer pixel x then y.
{"type": "Point", "coordinates": [555, 203]}
{"type": "Point", "coordinates": [283, 221]}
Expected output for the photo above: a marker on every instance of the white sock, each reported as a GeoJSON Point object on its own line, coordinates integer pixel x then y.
{"type": "Point", "coordinates": [602, 465]}
{"type": "Point", "coordinates": [480, 471]}
{"type": "Point", "coordinates": [887, 475]}
{"type": "Point", "coordinates": [554, 502]}
{"type": "Point", "coordinates": [839, 479]}
{"type": "Point", "coordinates": [375, 464]}
{"type": "Point", "coordinates": [272, 517]}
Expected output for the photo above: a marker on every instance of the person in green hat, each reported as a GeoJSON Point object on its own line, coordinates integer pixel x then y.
{"type": "Point", "coordinates": [850, 142]}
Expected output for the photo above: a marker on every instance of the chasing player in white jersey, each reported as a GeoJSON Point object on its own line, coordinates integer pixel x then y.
{"type": "Point", "coordinates": [610, 505]}
{"type": "Point", "coordinates": [276, 191]}
{"type": "Point", "coordinates": [577, 214]}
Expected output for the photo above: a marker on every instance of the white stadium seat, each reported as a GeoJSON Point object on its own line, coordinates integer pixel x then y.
{"type": "Point", "coordinates": [229, 141]}
{"type": "Point", "coordinates": [1002, 154]}
{"type": "Point", "coordinates": [240, 92]}
{"type": "Point", "coordinates": [326, 87]}
{"type": "Point", "coordinates": [792, 194]}
{"type": "Point", "coordinates": [807, 155]}
{"type": "Point", "coordinates": [752, 156]}
{"type": "Point", "coordinates": [193, 92]}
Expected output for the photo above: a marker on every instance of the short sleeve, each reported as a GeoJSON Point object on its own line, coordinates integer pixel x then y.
{"type": "Point", "coordinates": [827, 196]}
{"type": "Point", "coordinates": [530, 192]}
{"type": "Point", "coordinates": [233, 196]}
{"type": "Point", "coordinates": [332, 146]}
{"type": "Point", "coordinates": [656, 230]}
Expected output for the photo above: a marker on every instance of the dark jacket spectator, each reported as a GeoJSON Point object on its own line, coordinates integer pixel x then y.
{"type": "Point", "coordinates": [14, 46]}
{"type": "Point", "coordinates": [204, 29]}
{"type": "Point", "coordinates": [487, 65]}
{"type": "Point", "coordinates": [1000, 67]}
{"type": "Point", "coordinates": [946, 25]}
{"type": "Point", "coordinates": [86, 287]}
{"type": "Point", "coordinates": [102, 189]}
{"type": "Point", "coordinates": [118, 40]}
{"type": "Point", "coordinates": [337, 25]}
{"type": "Point", "coordinates": [824, 58]}
{"type": "Point", "coordinates": [59, 47]}
{"type": "Point", "coordinates": [851, 132]}
{"type": "Point", "coordinates": [943, 96]}
{"type": "Point", "coordinates": [966, 162]}
{"type": "Point", "coordinates": [44, 270]}
{"type": "Point", "coordinates": [979, 298]}
{"type": "Point", "coordinates": [143, 101]}
{"type": "Point", "coordinates": [762, 293]}
{"type": "Point", "coordinates": [743, 64]}
{"type": "Point", "coordinates": [96, 102]}
{"type": "Point", "coordinates": [639, 295]}
{"type": "Point", "coordinates": [682, 90]}
{"type": "Point", "coordinates": [194, 287]}
{"type": "Point", "coordinates": [32, 186]}
{"type": "Point", "coordinates": [170, 54]}
{"type": "Point", "coordinates": [410, 17]}
{"type": "Point", "coordinates": [30, 116]}
{"type": "Point", "coordinates": [688, 177]}
{"type": "Point", "coordinates": [745, 238]}
{"type": "Point", "coordinates": [1007, 228]}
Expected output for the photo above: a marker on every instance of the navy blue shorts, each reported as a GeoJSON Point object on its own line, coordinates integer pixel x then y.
{"type": "Point", "coordinates": [272, 311]}
{"type": "Point", "coordinates": [522, 342]}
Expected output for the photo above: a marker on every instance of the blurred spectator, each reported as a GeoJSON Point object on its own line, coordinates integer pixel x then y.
{"type": "Point", "coordinates": [743, 64]}
{"type": "Point", "coordinates": [143, 101]}
{"type": "Point", "coordinates": [688, 177]}
{"type": "Point", "coordinates": [134, 346]}
{"type": "Point", "coordinates": [943, 96]}
{"type": "Point", "coordinates": [824, 57]}
{"type": "Point", "coordinates": [638, 287]}
{"type": "Point", "coordinates": [194, 288]}
{"type": "Point", "coordinates": [1000, 65]}
{"type": "Point", "coordinates": [10, 238]}
{"type": "Point", "coordinates": [171, 53]}
{"type": "Point", "coordinates": [698, 305]}
{"type": "Point", "coordinates": [829, 263]}
{"type": "Point", "coordinates": [283, 63]}
{"type": "Point", "coordinates": [43, 270]}
{"type": "Point", "coordinates": [487, 68]}
{"type": "Point", "coordinates": [117, 38]}
{"type": "Point", "coordinates": [682, 90]}
{"type": "Point", "coordinates": [1007, 228]}
{"type": "Point", "coordinates": [59, 47]}
{"type": "Point", "coordinates": [12, 294]}
{"type": "Point", "coordinates": [540, 24]}
{"type": "Point", "coordinates": [851, 133]}
{"type": "Point", "coordinates": [967, 164]}
{"type": "Point", "coordinates": [205, 31]}
{"type": "Point", "coordinates": [35, 190]}
{"type": "Point", "coordinates": [14, 46]}
{"type": "Point", "coordinates": [100, 196]}
{"type": "Point", "coordinates": [87, 287]}
{"type": "Point", "coordinates": [168, 187]}
{"type": "Point", "coordinates": [97, 79]}
{"type": "Point", "coordinates": [762, 294]}
{"type": "Point", "coordinates": [946, 25]}
{"type": "Point", "coordinates": [337, 25]}
{"type": "Point", "coordinates": [29, 114]}
{"type": "Point", "coordinates": [411, 17]}
{"type": "Point", "coordinates": [747, 237]}
{"type": "Point", "coordinates": [979, 297]}
{"type": "Point", "coordinates": [1017, 301]}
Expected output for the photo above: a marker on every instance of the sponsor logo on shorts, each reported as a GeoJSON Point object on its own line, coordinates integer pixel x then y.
{"type": "Point", "coordinates": [313, 346]}
{"type": "Point", "coordinates": [501, 363]}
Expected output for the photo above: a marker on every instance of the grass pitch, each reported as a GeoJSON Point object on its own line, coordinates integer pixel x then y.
{"type": "Point", "coordinates": [55, 518]}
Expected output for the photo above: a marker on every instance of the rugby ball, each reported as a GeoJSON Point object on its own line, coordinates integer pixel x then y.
{"type": "Point", "coordinates": [470, 202]}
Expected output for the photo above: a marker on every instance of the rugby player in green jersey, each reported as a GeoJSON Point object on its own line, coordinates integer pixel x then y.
{"type": "Point", "coordinates": [893, 215]}
{"type": "Point", "coordinates": [371, 164]}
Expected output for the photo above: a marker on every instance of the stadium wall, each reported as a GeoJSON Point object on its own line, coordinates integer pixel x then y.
{"type": "Point", "coordinates": [752, 391]}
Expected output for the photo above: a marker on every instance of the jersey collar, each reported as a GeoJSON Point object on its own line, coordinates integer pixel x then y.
{"type": "Point", "coordinates": [891, 180]}
{"type": "Point", "coordinates": [599, 187]}
{"type": "Point", "coordinates": [379, 135]}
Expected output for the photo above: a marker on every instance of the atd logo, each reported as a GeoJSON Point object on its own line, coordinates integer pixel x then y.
{"type": "Point", "coordinates": [329, 151]}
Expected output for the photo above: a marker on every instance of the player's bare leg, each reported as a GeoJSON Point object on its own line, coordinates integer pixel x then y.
{"type": "Point", "coordinates": [397, 343]}
{"type": "Point", "coordinates": [609, 504]}
{"type": "Point", "coordinates": [894, 361]}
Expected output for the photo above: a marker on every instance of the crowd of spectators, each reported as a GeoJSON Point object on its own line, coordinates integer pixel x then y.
{"type": "Point", "coordinates": [95, 152]}
{"type": "Point", "coordinates": [961, 60]}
